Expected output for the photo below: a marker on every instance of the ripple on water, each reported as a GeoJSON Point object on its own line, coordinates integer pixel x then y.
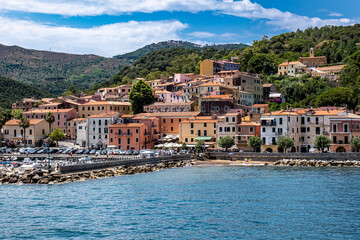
{"type": "Point", "coordinates": [207, 202]}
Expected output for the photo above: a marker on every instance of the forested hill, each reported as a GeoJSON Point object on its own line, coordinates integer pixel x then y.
{"type": "Point", "coordinates": [166, 62]}
{"type": "Point", "coordinates": [337, 43]}
{"type": "Point", "coordinates": [55, 72]}
{"type": "Point", "coordinates": [12, 91]}
{"type": "Point", "coordinates": [135, 55]}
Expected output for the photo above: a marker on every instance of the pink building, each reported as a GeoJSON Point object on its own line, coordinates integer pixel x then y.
{"type": "Point", "coordinates": [181, 78]}
{"type": "Point", "coordinates": [62, 116]}
{"type": "Point", "coordinates": [169, 97]}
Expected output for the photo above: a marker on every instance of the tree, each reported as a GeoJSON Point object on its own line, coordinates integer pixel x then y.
{"type": "Point", "coordinates": [322, 142]}
{"type": "Point", "coordinates": [337, 97]}
{"type": "Point", "coordinates": [355, 143]}
{"type": "Point", "coordinates": [17, 113]}
{"type": "Point", "coordinates": [184, 146]}
{"type": "Point", "coordinates": [4, 117]}
{"type": "Point", "coordinates": [226, 142]}
{"type": "Point", "coordinates": [71, 91]}
{"type": "Point", "coordinates": [57, 135]}
{"type": "Point", "coordinates": [24, 123]}
{"type": "Point", "coordinates": [141, 94]}
{"type": "Point", "coordinates": [254, 143]}
{"type": "Point", "coordinates": [262, 63]}
{"type": "Point", "coordinates": [200, 145]}
{"type": "Point", "coordinates": [285, 143]}
{"type": "Point", "coordinates": [50, 119]}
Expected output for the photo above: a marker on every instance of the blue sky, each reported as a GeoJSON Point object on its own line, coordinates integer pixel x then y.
{"type": "Point", "coordinates": [111, 27]}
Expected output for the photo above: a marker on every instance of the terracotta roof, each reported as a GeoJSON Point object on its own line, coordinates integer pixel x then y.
{"type": "Point", "coordinates": [15, 122]}
{"type": "Point", "coordinates": [127, 116]}
{"type": "Point", "coordinates": [105, 115]}
{"type": "Point", "coordinates": [259, 105]}
{"type": "Point", "coordinates": [169, 103]}
{"type": "Point", "coordinates": [268, 84]}
{"type": "Point", "coordinates": [78, 119]}
{"type": "Point", "coordinates": [281, 113]}
{"type": "Point", "coordinates": [248, 124]}
{"type": "Point", "coordinates": [288, 63]}
{"type": "Point", "coordinates": [49, 110]}
{"type": "Point", "coordinates": [170, 114]}
{"type": "Point", "coordinates": [95, 103]}
{"type": "Point", "coordinates": [336, 68]}
{"type": "Point", "coordinates": [128, 125]}
{"type": "Point", "coordinates": [200, 121]}
{"type": "Point", "coordinates": [219, 96]}
{"type": "Point", "coordinates": [161, 92]}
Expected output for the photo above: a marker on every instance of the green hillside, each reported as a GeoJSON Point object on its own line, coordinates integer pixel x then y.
{"type": "Point", "coordinates": [55, 72]}
{"type": "Point", "coordinates": [135, 55]}
{"type": "Point", "coordinates": [12, 91]}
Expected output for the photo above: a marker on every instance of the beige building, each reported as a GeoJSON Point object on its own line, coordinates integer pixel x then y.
{"type": "Point", "coordinates": [226, 126]}
{"type": "Point", "coordinates": [72, 127]}
{"type": "Point", "coordinates": [100, 107]}
{"type": "Point", "coordinates": [37, 131]}
{"type": "Point", "coordinates": [290, 68]}
{"type": "Point", "coordinates": [198, 128]}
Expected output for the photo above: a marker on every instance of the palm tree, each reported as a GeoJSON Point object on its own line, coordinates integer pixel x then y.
{"type": "Point", "coordinates": [24, 124]}
{"type": "Point", "coordinates": [50, 118]}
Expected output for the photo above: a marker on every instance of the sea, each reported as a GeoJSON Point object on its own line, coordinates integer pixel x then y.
{"type": "Point", "coordinates": [197, 202]}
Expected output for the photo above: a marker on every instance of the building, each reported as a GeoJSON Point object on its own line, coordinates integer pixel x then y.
{"type": "Point", "coordinates": [246, 98]}
{"type": "Point", "coordinates": [168, 97]}
{"type": "Point", "coordinates": [198, 128]}
{"type": "Point", "coordinates": [170, 121]}
{"type": "Point", "coordinates": [277, 97]}
{"type": "Point", "coordinates": [34, 134]}
{"type": "Point", "coordinates": [344, 127]}
{"type": "Point", "coordinates": [251, 83]}
{"type": "Point", "coordinates": [72, 127]}
{"type": "Point", "coordinates": [98, 129]}
{"type": "Point", "coordinates": [290, 68]}
{"type": "Point", "coordinates": [210, 67]}
{"type": "Point", "coordinates": [257, 110]}
{"type": "Point", "coordinates": [131, 136]}
{"type": "Point", "coordinates": [276, 125]}
{"type": "Point", "coordinates": [26, 104]}
{"type": "Point", "coordinates": [142, 133]}
{"type": "Point", "coordinates": [100, 107]}
{"type": "Point", "coordinates": [267, 89]}
{"type": "Point", "coordinates": [81, 134]}
{"type": "Point", "coordinates": [181, 78]}
{"type": "Point", "coordinates": [170, 107]}
{"type": "Point", "coordinates": [246, 130]}
{"type": "Point", "coordinates": [62, 116]}
{"type": "Point", "coordinates": [226, 126]}
{"type": "Point", "coordinates": [313, 61]}
{"type": "Point", "coordinates": [330, 72]}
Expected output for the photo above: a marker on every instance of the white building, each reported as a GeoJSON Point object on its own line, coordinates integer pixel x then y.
{"type": "Point", "coordinates": [246, 98]}
{"type": "Point", "coordinates": [97, 132]}
{"type": "Point", "coordinates": [81, 134]}
{"type": "Point", "coordinates": [277, 125]}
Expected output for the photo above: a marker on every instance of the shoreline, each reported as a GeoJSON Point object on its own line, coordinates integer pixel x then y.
{"type": "Point", "coordinates": [232, 163]}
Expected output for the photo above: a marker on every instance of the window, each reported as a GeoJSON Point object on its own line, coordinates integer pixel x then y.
{"type": "Point", "coordinates": [186, 140]}
{"type": "Point", "coordinates": [137, 131]}
{"type": "Point", "coordinates": [273, 129]}
{"type": "Point", "coordinates": [227, 119]}
{"type": "Point", "coordinates": [334, 128]}
{"type": "Point", "coordinates": [302, 120]}
{"type": "Point", "coordinates": [205, 133]}
{"type": "Point", "coordinates": [264, 130]}
{"type": "Point", "coordinates": [263, 141]}
{"type": "Point", "coordinates": [163, 120]}
{"type": "Point", "coordinates": [172, 120]}
{"type": "Point", "coordinates": [220, 129]}
{"type": "Point", "coordinates": [192, 125]}
{"type": "Point", "coordinates": [308, 119]}
{"type": "Point", "coordinates": [346, 126]}
{"type": "Point", "coordinates": [233, 129]}
{"type": "Point", "coordinates": [106, 130]}
{"type": "Point", "coordinates": [317, 130]}
{"type": "Point", "coordinates": [251, 129]}
{"type": "Point", "coordinates": [99, 130]}
{"type": "Point", "coordinates": [128, 141]}
{"type": "Point", "coordinates": [192, 132]}
{"type": "Point", "coordinates": [233, 119]}
{"type": "Point", "coordinates": [205, 125]}
{"type": "Point", "coordinates": [93, 137]}
{"type": "Point", "coordinates": [316, 120]}
{"type": "Point", "coordinates": [203, 109]}
{"type": "Point", "coordinates": [99, 122]}
{"type": "Point", "coordinates": [119, 140]}
{"type": "Point", "coordinates": [199, 132]}
{"type": "Point", "coordinates": [137, 139]}
{"type": "Point", "coordinates": [30, 131]}
{"type": "Point", "coordinates": [172, 129]}
{"type": "Point", "coordinates": [280, 121]}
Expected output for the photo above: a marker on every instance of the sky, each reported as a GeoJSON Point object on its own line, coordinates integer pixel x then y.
{"type": "Point", "coordinates": [111, 27]}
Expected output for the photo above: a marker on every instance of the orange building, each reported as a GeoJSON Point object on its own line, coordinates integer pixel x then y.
{"type": "Point", "coordinates": [169, 121]}
{"type": "Point", "coordinates": [131, 136]}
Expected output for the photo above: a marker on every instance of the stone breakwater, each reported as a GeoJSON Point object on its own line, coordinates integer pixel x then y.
{"type": "Point", "coordinates": [41, 176]}
{"type": "Point", "coordinates": [316, 163]}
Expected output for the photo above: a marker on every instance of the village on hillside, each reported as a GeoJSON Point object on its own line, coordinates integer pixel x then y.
{"type": "Point", "coordinates": [219, 102]}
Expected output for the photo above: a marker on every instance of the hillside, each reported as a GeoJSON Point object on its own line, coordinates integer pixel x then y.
{"type": "Point", "coordinates": [12, 91]}
{"type": "Point", "coordinates": [135, 55]}
{"type": "Point", "coordinates": [166, 62]}
{"type": "Point", "coordinates": [337, 43]}
{"type": "Point", "coordinates": [55, 72]}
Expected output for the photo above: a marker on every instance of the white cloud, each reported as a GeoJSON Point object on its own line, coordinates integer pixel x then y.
{"type": "Point", "coordinates": [106, 40]}
{"type": "Point", "coordinates": [244, 8]}
{"type": "Point", "coordinates": [202, 34]}
{"type": "Point", "coordinates": [334, 14]}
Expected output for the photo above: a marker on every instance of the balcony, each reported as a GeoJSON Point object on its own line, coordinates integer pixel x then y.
{"type": "Point", "coordinates": [341, 142]}
{"type": "Point", "coordinates": [279, 134]}
{"type": "Point", "coordinates": [268, 123]}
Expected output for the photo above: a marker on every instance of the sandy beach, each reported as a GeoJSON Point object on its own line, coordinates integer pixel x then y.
{"type": "Point", "coordinates": [229, 162]}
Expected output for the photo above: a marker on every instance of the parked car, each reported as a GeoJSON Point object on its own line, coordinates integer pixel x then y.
{"type": "Point", "coordinates": [93, 151]}
{"type": "Point", "coordinates": [122, 152]}
{"type": "Point", "coordinates": [136, 153]}
{"type": "Point", "coordinates": [128, 152]}
{"type": "Point", "coordinates": [86, 151]}
{"type": "Point", "coordinates": [115, 152]}
{"type": "Point", "coordinates": [104, 152]}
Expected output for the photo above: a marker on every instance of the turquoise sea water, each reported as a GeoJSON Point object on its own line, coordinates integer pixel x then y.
{"type": "Point", "coordinates": [210, 202]}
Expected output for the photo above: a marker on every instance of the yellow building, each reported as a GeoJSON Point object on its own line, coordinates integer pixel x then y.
{"type": "Point", "coordinates": [37, 131]}
{"type": "Point", "coordinates": [100, 107]}
{"type": "Point", "coordinates": [290, 68]}
{"type": "Point", "coordinates": [207, 67]}
{"type": "Point", "coordinates": [198, 128]}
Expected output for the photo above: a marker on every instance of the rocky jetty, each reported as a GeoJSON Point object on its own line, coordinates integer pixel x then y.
{"type": "Point", "coordinates": [41, 176]}
{"type": "Point", "coordinates": [316, 163]}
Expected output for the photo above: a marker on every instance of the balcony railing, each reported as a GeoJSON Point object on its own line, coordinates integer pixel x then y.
{"type": "Point", "coordinates": [272, 123]}
{"type": "Point", "coordinates": [279, 134]}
